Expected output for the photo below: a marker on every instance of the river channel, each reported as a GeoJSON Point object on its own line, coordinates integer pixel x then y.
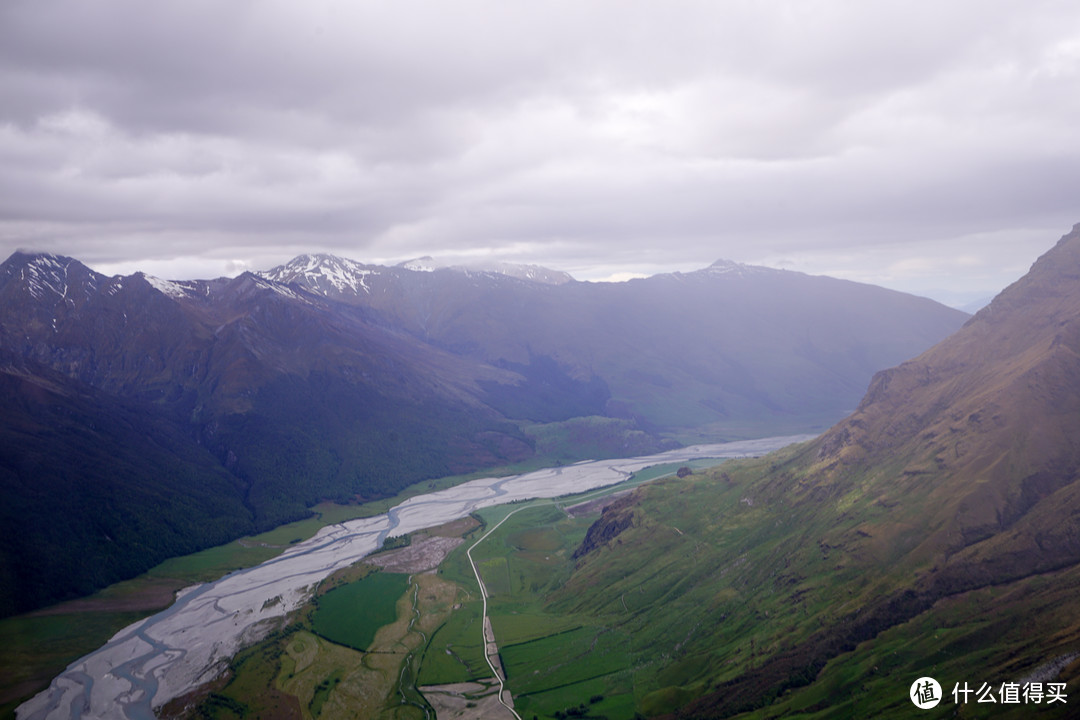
{"type": "Point", "coordinates": [163, 656]}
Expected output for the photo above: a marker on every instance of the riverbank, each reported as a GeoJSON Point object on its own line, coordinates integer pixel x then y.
{"type": "Point", "coordinates": [161, 657]}
{"type": "Point", "coordinates": [36, 647]}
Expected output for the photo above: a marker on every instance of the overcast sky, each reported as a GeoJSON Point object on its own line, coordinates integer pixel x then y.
{"type": "Point", "coordinates": [929, 147]}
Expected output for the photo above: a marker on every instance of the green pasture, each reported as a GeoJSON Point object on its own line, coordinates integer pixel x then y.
{"type": "Point", "coordinates": [455, 652]}
{"type": "Point", "coordinates": [251, 692]}
{"type": "Point", "coordinates": [565, 658]}
{"type": "Point", "coordinates": [589, 437]}
{"type": "Point", "coordinates": [524, 557]}
{"type": "Point", "coordinates": [553, 661]}
{"type": "Point", "coordinates": [660, 621]}
{"type": "Point", "coordinates": [610, 696]}
{"type": "Point", "coordinates": [515, 626]}
{"type": "Point", "coordinates": [351, 614]}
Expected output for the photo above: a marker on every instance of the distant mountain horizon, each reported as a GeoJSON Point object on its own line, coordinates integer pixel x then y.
{"type": "Point", "coordinates": [965, 302]}
{"type": "Point", "coordinates": [324, 378]}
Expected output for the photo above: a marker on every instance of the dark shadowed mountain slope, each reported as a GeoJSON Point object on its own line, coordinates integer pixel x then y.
{"type": "Point", "coordinates": [243, 382]}
{"type": "Point", "coordinates": [216, 354]}
{"type": "Point", "coordinates": [96, 489]}
{"type": "Point", "coordinates": [935, 531]}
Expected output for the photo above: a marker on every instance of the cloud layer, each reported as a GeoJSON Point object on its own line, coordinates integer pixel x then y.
{"type": "Point", "coordinates": [933, 148]}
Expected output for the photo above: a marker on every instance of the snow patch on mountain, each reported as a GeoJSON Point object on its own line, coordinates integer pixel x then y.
{"type": "Point", "coordinates": [277, 287]}
{"type": "Point", "coordinates": [725, 268]}
{"type": "Point", "coordinates": [730, 267]}
{"type": "Point", "coordinates": [532, 273]}
{"type": "Point", "coordinates": [335, 276]}
{"type": "Point", "coordinates": [323, 273]}
{"type": "Point", "coordinates": [421, 264]}
{"type": "Point", "coordinates": [47, 274]}
{"type": "Point", "coordinates": [166, 287]}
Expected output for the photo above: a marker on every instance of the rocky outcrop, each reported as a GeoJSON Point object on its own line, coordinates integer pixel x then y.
{"type": "Point", "coordinates": [615, 518]}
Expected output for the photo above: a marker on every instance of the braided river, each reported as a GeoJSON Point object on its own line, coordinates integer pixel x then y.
{"type": "Point", "coordinates": [168, 654]}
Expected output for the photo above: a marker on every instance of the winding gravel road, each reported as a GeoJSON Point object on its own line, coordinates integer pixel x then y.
{"type": "Point", "coordinates": [161, 657]}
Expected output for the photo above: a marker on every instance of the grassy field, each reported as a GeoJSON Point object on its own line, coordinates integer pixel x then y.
{"type": "Point", "coordinates": [351, 615]}
{"type": "Point", "coordinates": [627, 646]}
{"type": "Point", "coordinates": [565, 658]}
{"type": "Point", "coordinates": [299, 673]}
{"type": "Point", "coordinates": [593, 437]}
{"type": "Point", "coordinates": [684, 601]}
{"type": "Point", "coordinates": [553, 661]}
{"type": "Point", "coordinates": [455, 652]}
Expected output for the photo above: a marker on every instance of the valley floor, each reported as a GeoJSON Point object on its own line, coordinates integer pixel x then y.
{"type": "Point", "coordinates": [162, 657]}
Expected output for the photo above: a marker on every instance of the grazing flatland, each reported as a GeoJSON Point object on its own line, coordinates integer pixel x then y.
{"type": "Point", "coordinates": [350, 615]}
{"type": "Point", "coordinates": [552, 661]}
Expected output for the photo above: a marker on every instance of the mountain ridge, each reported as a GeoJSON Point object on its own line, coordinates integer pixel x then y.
{"type": "Point", "coordinates": [331, 379]}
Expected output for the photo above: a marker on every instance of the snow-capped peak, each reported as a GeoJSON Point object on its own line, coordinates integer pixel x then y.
{"type": "Point", "coordinates": [45, 273]}
{"type": "Point", "coordinates": [322, 273]}
{"type": "Point", "coordinates": [730, 267]}
{"type": "Point", "coordinates": [533, 273]}
{"type": "Point", "coordinates": [166, 287]}
{"type": "Point", "coordinates": [421, 264]}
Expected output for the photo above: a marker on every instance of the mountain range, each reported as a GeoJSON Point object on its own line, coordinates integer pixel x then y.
{"type": "Point", "coordinates": [145, 418]}
{"type": "Point", "coordinates": [933, 532]}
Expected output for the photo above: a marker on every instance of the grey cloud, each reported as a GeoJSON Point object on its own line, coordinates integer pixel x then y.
{"type": "Point", "coordinates": [600, 135]}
